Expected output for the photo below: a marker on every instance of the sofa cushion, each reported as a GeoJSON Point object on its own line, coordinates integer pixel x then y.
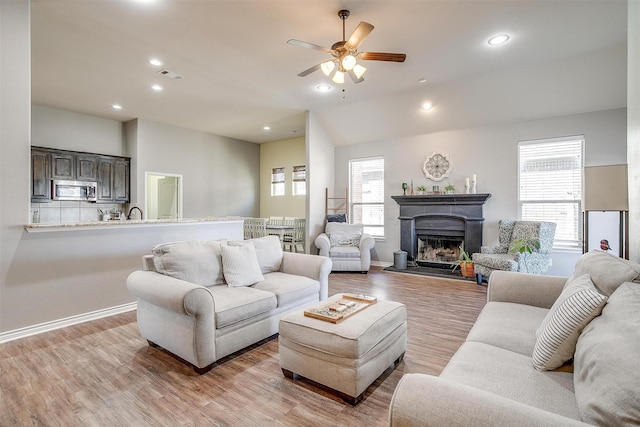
{"type": "Point", "coordinates": [607, 377]}
{"type": "Point", "coordinates": [234, 305]}
{"type": "Point", "coordinates": [197, 262]}
{"type": "Point", "coordinates": [510, 375]}
{"type": "Point", "coordinates": [240, 265]}
{"type": "Point", "coordinates": [508, 325]}
{"type": "Point", "coordinates": [268, 251]}
{"type": "Point", "coordinates": [528, 232]}
{"type": "Point", "coordinates": [607, 271]}
{"type": "Point", "coordinates": [339, 239]}
{"type": "Point", "coordinates": [288, 288]}
{"type": "Point", "coordinates": [344, 252]}
{"type": "Point", "coordinates": [576, 306]}
{"type": "Point", "coordinates": [342, 229]}
{"type": "Point", "coordinates": [506, 262]}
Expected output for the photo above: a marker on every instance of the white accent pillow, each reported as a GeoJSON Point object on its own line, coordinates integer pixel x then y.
{"type": "Point", "coordinates": [268, 250]}
{"type": "Point", "coordinates": [240, 265]}
{"type": "Point", "coordinates": [345, 240]}
{"type": "Point", "coordinates": [576, 306]}
{"type": "Point", "coordinates": [195, 261]}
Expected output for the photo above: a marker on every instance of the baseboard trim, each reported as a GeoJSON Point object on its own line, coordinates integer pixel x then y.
{"type": "Point", "coordinates": [63, 323]}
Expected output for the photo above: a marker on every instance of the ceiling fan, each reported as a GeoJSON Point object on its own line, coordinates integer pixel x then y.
{"type": "Point", "coordinates": [345, 54]}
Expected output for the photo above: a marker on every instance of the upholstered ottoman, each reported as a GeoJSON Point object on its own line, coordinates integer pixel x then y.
{"type": "Point", "coordinates": [347, 356]}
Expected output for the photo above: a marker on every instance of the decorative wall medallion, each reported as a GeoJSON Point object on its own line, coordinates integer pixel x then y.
{"type": "Point", "coordinates": [437, 167]}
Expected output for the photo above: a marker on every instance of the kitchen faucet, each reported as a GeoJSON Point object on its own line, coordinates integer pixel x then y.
{"type": "Point", "coordinates": [131, 210]}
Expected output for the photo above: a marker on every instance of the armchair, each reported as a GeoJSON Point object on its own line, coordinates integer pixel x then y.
{"type": "Point", "coordinates": [501, 258]}
{"type": "Point", "coordinates": [347, 245]}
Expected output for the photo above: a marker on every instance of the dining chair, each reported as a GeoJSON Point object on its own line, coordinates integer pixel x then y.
{"type": "Point", "coordinates": [297, 237]}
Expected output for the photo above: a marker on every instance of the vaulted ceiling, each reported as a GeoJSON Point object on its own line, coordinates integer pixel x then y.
{"type": "Point", "coordinates": [239, 74]}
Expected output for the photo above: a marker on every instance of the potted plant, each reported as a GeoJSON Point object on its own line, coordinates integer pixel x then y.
{"type": "Point", "coordinates": [421, 190]}
{"type": "Point", "coordinates": [450, 189]}
{"type": "Point", "coordinates": [465, 263]}
{"type": "Point", "coordinates": [524, 246]}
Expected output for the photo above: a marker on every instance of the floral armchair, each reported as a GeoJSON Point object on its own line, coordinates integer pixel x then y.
{"type": "Point", "coordinates": [538, 236]}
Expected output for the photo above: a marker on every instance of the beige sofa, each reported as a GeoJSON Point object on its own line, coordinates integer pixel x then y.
{"type": "Point", "coordinates": [203, 300]}
{"type": "Point", "coordinates": [541, 353]}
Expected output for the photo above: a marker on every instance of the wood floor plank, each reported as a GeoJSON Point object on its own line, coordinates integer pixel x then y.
{"type": "Point", "coordinates": [103, 373]}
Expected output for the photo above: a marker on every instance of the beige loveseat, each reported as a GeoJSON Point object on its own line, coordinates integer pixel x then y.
{"type": "Point", "coordinates": [203, 300]}
{"type": "Point", "coordinates": [540, 354]}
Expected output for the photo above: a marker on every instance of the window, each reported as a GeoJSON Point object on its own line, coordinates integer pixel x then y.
{"type": "Point", "coordinates": [366, 191]}
{"type": "Point", "coordinates": [277, 182]}
{"type": "Point", "coordinates": [299, 178]}
{"type": "Point", "coordinates": [550, 184]}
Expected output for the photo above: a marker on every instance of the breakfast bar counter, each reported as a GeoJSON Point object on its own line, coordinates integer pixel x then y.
{"type": "Point", "coordinates": [101, 225]}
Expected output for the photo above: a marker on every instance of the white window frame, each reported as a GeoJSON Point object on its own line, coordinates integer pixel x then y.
{"type": "Point", "coordinates": [375, 229]}
{"type": "Point", "coordinates": [277, 182]}
{"type": "Point", "coordinates": [568, 235]}
{"type": "Point", "coordinates": [299, 181]}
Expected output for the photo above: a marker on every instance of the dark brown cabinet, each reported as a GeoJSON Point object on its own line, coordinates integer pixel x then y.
{"type": "Point", "coordinates": [40, 176]}
{"type": "Point", "coordinates": [62, 165]}
{"type": "Point", "coordinates": [113, 179]}
{"type": "Point", "coordinates": [111, 173]}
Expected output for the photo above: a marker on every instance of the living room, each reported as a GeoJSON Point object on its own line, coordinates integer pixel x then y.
{"type": "Point", "coordinates": [33, 296]}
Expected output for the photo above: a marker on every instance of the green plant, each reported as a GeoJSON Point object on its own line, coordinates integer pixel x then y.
{"type": "Point", "coordinates": [524, 246]}
{"type": "Point", "coordinates": [450, 188]}
{"type": "Point", "coordinates": [421, 188]}
{"type": "Point", "coordinates": [463, 258]}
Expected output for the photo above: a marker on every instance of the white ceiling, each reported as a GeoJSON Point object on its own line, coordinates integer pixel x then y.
{"type": "Point", "coordinates": [239, 73]}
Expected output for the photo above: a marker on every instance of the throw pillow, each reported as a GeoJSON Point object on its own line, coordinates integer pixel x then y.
{"type": "Point", "coordinates": [345, 240]}
{"type": "Point", "coordinates": [556, 340]}
{"type": "Point", "coordinates": [607, 271]}
{"type": "Point", "coordinates": [337, 218]}
{"type": "Point", "coordinates": [606, 374]}
{"type": "Point", "coordinates": [240, 265]}
{"type": "Point", "coordinates": [197, 262]}
{"type": "Point", "coordinates": [268, 250]}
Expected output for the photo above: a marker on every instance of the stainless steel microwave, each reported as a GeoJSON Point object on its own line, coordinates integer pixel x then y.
{"type": "Point", "coordinates": [74, 190]}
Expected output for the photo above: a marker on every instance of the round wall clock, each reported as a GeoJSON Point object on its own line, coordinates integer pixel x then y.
{"type": "Point", "coordinates": [437, 167]}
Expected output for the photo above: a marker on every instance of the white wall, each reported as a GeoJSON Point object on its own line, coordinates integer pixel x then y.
{"type": "Point", "coordinates": [633, 128]}
{"type": "Point", "coordinates": [320, 175]}
{"type": "Point", "coordinates": [491, 154]}
{"type": "Point", "coordinates": [221, 176]}
{"type": "Point", "coordinates": [287, 154]}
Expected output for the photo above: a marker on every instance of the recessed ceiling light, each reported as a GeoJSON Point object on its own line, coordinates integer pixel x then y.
{"type": "Point", "coordinates": [427, 105]}
{"type": "Point", "coordinates": [422, 80]}
{"type": "Point", "coordinates": [323, 88]}
{"type": "Point", "coordinates": [266, 127]}
{"type": "Point", "coordinates": [117, 107]}
{"type": "Point", "coordinates": [498, 40]}
{"type": "Point", "coordinates": [156, 62]}
{"type": "Point", "coordinates": [157, 88]}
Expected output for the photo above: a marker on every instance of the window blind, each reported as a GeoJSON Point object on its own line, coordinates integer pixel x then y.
{"type": "Point", "coordinates": [367, 194]}
{"type": "Point", "coordinates": [550, 185]}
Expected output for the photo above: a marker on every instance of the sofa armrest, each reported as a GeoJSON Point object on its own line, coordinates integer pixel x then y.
{"type": "Point", "coordinates": [367, 242]}
{"type": "Point", "coordinates": [175, 295]}
{"type": "Point", "coordinates": [323, 243]}
{"type": "Point", "coordinates": [312, 266]}
{"type": "Point", "coordinates": [425, 400]}
{"type": "Point", "coordinates": [523, 288]}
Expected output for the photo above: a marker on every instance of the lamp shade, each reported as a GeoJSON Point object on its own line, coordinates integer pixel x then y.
{"type": "Point", "coordinates": [327, 67]}
{"type": "Point", "coordinates": [606, 188]}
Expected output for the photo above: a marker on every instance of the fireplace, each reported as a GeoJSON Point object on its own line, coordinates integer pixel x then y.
{"type": "Point", "coordinates": [433, 227]}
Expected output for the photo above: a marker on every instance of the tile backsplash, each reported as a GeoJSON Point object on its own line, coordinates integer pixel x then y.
{"type": "Point", "coordinates": [70, 212]}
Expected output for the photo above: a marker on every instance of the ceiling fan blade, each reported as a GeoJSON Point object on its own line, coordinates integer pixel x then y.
{"type": "Point", "coordinates": [309, 45]}
{"type": "Point", "coordinates": [382, 56]}
{"type": "Point", "coordinates": [359, 34]}
{"type": "Point", "coordinates": [354, 77]}
{"type": "Point", "coordinates": [309, 70]}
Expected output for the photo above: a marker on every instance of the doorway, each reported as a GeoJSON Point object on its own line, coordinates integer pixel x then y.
{"type": "Point", "coordinates": [163, 195]}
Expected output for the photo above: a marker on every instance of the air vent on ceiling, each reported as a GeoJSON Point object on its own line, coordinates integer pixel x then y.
{"type": "Point", "coordinates": [170, 74]}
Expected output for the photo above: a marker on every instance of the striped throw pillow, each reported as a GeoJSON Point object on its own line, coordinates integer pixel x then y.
{"type": "Point", "coordinates": [240, 266]}
{"type": "Point", "coordinates": [576, 306]}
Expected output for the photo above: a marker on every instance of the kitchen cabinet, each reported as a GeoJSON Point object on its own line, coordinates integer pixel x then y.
{"type": "Point", "coordinates": [113, 179]}
{"type": "Point", "coordinates": [40, 176]}
{"type": "Point", "coordinates": [62, 165]}
{"type": "Point", "coordinates": [112, 173]}
{"type": "Point", "coordinates": [86, 167]}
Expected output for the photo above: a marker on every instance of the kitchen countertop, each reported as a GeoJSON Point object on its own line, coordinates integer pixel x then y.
{"type": "Point", "coordinates": [93, 225]}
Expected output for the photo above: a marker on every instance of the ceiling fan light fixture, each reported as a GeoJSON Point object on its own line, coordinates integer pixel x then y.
{"type": "Point", "coordinates": [338, 77]}
{"type": "Point", "coordinates": [327, 67]}
{"type": "Point", "coordinates": [359, 70]}
{"type": "Point", "coordinates": [348, 62]}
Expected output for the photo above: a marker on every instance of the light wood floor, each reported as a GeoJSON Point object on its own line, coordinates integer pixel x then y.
{"type": "Point", "coordinates": [103, 373]}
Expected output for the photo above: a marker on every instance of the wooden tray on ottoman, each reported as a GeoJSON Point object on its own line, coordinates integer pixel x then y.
{"type": "Point", "coordinates": [339, 307]}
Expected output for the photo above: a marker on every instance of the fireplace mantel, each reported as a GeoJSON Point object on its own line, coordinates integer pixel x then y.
{"type": "Point", "coordinates": [434, 210]}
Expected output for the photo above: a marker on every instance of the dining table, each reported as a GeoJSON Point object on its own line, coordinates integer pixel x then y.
{"type": "Point", "coordinates": [279, 230]}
